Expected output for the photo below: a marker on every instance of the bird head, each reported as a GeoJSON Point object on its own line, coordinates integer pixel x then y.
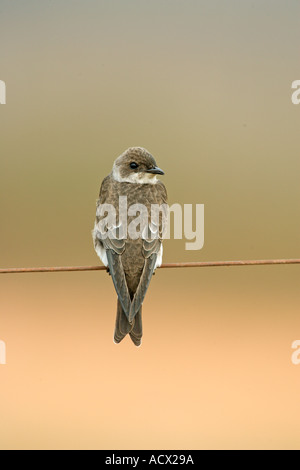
{"type": "Point", "coordinates": [136, 165]}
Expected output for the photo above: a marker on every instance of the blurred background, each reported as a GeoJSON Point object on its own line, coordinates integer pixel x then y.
{"type": "Point", "coordinates": [205, 86]}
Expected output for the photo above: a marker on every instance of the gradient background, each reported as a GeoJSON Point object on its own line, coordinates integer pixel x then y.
{"type": "Point", "coordinates": [206, 87]}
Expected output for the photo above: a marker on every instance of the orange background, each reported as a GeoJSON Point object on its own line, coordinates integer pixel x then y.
{"type": "Point", "coordinates": [206, 87]}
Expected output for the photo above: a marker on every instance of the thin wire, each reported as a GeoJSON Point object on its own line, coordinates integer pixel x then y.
{"type": "Point", "coordinates": [192, 264]}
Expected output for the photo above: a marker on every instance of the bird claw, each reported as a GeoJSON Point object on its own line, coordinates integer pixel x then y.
{"type": "Point", "coordinates": [107, 270]}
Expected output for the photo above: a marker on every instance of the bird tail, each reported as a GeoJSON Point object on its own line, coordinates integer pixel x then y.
{"type": "Point", "coordinates": [123, 326]}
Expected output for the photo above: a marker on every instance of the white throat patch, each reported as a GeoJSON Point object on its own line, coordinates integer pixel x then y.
{"type": "Point", "coordinates": [137, 178]}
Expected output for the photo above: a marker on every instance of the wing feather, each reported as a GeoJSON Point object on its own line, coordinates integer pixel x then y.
{"type": "Point", "coordinates": [143, 286]}
{"type": "Point", "coordinates": [118, 276]}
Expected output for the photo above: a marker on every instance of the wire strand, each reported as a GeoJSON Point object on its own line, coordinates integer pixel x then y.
{"type": "Point", "coordinates": [192, 264]}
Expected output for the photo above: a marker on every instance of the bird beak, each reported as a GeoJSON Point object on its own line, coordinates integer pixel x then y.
{"type": "Point", "coordinates": [155, 171]}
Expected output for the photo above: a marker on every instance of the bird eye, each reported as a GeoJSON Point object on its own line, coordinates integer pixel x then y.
{"type": "Point", "coordinates": [133, 165]}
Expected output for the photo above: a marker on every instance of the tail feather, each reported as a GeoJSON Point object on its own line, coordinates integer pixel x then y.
{"type": "Point", "coordinates": [123, 326]}
{"type": "Point", "coordinates": [137, 330]}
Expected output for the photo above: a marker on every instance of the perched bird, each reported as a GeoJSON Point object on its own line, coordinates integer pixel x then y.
{"type": "Point", "coordinates": [131, 260]}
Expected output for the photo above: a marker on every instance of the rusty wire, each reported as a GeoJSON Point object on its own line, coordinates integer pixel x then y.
{"type": "Point", "coordinates": [192, 264]}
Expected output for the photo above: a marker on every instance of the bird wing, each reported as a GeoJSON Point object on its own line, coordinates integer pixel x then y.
{"type": "Point", "coordinates": [140, 293]}
{"type": "Point", "coordinates": [118, 276]}
{"type": "Point", "coordinates": [107, 234]}
{"type": "Point", "coordinates": [152, 244]}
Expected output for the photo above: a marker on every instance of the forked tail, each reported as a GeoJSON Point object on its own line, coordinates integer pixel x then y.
{"type": "Point", "coordinates": [124, 327]}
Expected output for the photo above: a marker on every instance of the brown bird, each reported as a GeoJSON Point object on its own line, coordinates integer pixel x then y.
{"type": "Point", "coordinates": [131, 247]}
